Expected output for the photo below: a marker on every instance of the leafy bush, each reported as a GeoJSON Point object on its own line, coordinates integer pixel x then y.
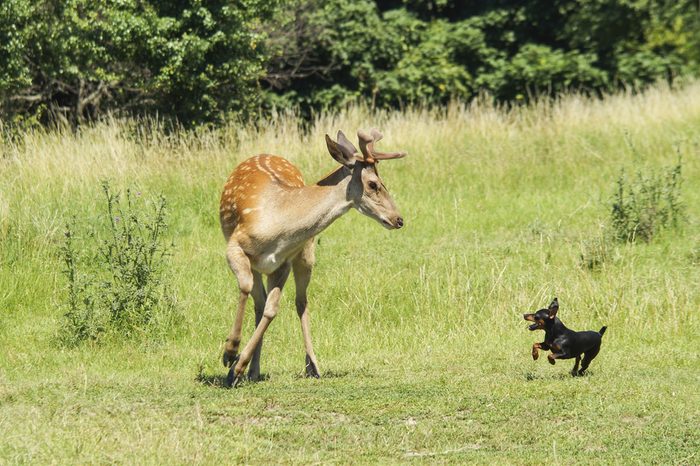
{"type": "Point", "coordinates": [191, 60]}
{"type": "Point", "coordinates": [393, 53]}
{"type": "Point", "coordinates": [118, 282]}
{"type": "Point", "coordinates": [648, 205]}
{"type": "Point", "coordinates": [207, 61]}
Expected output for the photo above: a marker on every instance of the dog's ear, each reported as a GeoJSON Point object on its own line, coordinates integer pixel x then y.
{"type": "Point", "coordinates": [553, 308]}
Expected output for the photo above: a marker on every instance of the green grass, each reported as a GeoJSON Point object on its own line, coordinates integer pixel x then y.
{"type": "Point", "coordinates": [419, 332]}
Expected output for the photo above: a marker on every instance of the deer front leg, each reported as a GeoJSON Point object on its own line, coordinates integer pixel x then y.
{"type": "Point", "coordinates": [240, 265]}
{"type": "Point", "coordinates": [536, 347]}
{"type": "Point", "coordinates": [276, 282]}
{"type": "Point", "coordinates": [303, 265]}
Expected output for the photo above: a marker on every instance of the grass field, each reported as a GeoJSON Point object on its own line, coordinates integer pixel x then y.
{"type": "Point", "coordinates": [419, 332]}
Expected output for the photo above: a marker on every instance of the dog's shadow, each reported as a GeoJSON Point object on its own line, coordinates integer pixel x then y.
{"type": "Point", "coordinates": [531, 376]}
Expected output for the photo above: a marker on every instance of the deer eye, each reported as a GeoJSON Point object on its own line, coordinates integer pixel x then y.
{"type": "Point", "coordinates": [373, 186]}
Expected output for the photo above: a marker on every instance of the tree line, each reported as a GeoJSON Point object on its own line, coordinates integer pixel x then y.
{"type": "Point", "coordinates": [199, 61]}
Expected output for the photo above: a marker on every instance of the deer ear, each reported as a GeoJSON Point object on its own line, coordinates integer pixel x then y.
{"type": "Point", "coordinates": [339, 154]}
{"type": "Point", "coordinates": [346, 146]}
{"type": "Point", "coordinates": [553, 308]}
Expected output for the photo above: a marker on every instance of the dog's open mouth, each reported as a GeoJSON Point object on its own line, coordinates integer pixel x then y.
{"type": "Point", "coordinates": [531, 318]}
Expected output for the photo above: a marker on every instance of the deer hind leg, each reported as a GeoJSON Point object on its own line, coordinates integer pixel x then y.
{"type": "Point", "coordinates": [259, 297]}
{"type": "Point", "coordinates": [240, 265]}
{"type": "Point", "coordinates": [303, 265]}
{"type": "Point", "coordinates": [275, 282]}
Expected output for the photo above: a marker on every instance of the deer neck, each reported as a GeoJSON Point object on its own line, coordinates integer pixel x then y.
{"type": "Point", "coordinates": [315, 207]}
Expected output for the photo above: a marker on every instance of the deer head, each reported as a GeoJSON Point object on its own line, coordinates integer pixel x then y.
{"type": "Point", "coordinates": [366, 189]}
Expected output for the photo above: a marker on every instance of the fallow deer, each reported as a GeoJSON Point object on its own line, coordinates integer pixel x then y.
{"type": "Point", "coordinates": [269, 218]}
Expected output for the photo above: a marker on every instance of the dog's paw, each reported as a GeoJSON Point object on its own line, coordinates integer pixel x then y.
{"type": "Point", "coordinates": [535, 354]}
{"type": "Point", "coordinates": [551, 360]}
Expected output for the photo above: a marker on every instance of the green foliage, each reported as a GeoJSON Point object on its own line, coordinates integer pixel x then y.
{"type": "Point", "coordinates": [425, 73]}
{"type": "Point", "coordinates": [118, 282]}
{"type": "Point", "coordinates": [431, 51]}
{"type": "Point", "coordinates": [191, 60]}
{"type": "Point", "coordinates": [14, 72]}
{"type": "Point", "coordinates": [207, 61]}
{"type": "Point", "coordinates": [648, 205]}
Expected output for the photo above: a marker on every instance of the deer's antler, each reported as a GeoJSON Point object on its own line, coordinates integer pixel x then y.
{"type": "Point", "coordinates": [367, 147]}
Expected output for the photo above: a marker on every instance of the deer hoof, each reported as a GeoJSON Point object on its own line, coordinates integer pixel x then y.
{"type": "Point", "coordinates": [230, 359]}
{"type": "Point", "coordinates": [311, 369]}
{"type": "Point", "coordinates": [232, 380]}
{"type": "Point", "coordinates": [254, 376]}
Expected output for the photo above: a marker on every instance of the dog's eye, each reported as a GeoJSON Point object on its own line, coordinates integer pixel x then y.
{"type": "Point", "coordinates": [372, 185]}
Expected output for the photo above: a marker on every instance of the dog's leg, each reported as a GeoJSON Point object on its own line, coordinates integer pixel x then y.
{"type": "Point", "coordinates": [574, 371]}
{"type": "Point", "coordinates": [536, 351]}
{"type": "Point", "coordinates": [538, 346]}
{"type": "Point", "coordinates": [556, 353]}
{"type": "Point", "coordinates": [587, 358]}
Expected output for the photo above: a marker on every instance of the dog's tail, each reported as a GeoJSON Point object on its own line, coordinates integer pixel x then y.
{"type": "Point", "coordinates": [602, 330]}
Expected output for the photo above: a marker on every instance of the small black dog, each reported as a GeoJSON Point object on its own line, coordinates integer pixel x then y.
{"type": "Point", "coordinates": [564, 343]}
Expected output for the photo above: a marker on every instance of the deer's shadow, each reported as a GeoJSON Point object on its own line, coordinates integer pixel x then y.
{"type": "Point", "coordinates": [219, 380]}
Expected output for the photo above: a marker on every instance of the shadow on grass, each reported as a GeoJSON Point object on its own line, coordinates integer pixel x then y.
{"type": "Point", "coordinates": [330, 374]}
{"type": "Point", "coordinates": [219, 380]}
{"type": "Point", "coordinates": [531, 376]}
{"type": "Point", "coordinates": [211, 380]}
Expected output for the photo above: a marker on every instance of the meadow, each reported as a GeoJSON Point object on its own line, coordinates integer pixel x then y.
{"type": "Point", "coordinates": [419, 333]}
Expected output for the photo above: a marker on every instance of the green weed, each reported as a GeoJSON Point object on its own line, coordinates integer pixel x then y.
{"type": "Point", "coordinates": [644, 207]}
{"type": "Point", "coordinates": [124, 288]}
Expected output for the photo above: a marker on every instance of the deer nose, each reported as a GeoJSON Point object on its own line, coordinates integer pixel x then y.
{"type": "Point", "coordinates": [399, 222]}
